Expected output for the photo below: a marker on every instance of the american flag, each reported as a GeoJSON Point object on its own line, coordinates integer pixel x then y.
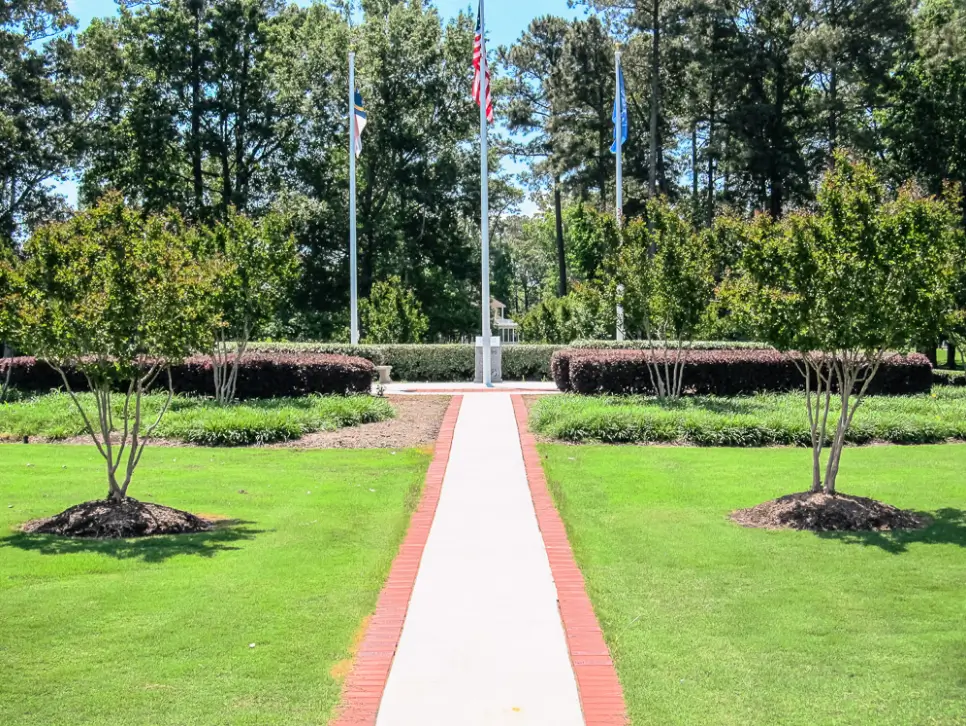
{"type": "Point", "coordinates": [478, 62]}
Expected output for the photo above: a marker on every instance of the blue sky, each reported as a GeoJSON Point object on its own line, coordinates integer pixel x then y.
{"type": "Point", "coordinates": [505, 21]}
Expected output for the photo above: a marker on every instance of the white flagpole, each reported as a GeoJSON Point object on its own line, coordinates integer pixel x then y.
{"type": "Point", "coordinates": [353, 287]}
{"type": "Point", "coordinates": [619, 133]}
{"type": "Point", "coordinates": [484, 207]}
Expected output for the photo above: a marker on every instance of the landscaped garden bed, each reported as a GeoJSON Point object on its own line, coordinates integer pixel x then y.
{"type": "Point", "coordinates": [762, 420]}
{"type": "Point", "coordinates": [198, 420]}
{"type": "Point", "coordinates": [252, 622]}
{"type": "Point", "coordinates": [710, 622]}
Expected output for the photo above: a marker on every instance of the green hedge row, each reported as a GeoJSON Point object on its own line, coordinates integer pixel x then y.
{"type": "Point", "coordinates": [434, 362]}
{"type": "Point", "coordinates": [455, 361]}
{"type": "Point", "coordinates": [695, 345]}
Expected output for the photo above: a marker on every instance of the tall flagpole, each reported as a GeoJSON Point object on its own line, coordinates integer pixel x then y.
{"type": "Point", "coordinates": [619, 133]}
{"type": "Point", "coordinates": [619, 206]}
{"type": "Point", "coordinates": [484, 207]}
{"type": "Point", "coordinates": [353, 286]}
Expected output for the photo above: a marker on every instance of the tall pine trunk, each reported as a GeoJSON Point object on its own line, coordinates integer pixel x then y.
{"type": "Point", "coordinates": [655, 95]}
{"type": "Point", "coordinates": [196, 159]}
{"type": "Point", "coordinates": [561, 254]}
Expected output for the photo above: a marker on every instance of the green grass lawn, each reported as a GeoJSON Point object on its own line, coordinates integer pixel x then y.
{"type": "Point", "coordinates": [710, 623]}
{"type": "Point", "coordinates": [198, 420]}
{"type": "Point", "coordinates": [139, 632]}
{"type": "Point", "coordinates": [761, 420]}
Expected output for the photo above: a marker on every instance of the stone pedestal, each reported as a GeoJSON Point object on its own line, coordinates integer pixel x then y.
{"type": "Point", "coordinates": [496, 360]}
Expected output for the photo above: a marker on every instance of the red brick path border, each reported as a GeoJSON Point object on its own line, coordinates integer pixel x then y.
{"type": "Point", "coordinates": [601, 695]}
{"type": "Point", "coordinates": [365, 685]}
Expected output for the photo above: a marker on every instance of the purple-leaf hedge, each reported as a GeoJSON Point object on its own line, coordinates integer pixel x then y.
{"type": "Point", "coordinates": [261, 375]}
{"type": "Point", "coordinates": [718, 372]}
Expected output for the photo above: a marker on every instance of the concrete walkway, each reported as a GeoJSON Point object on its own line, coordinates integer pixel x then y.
{"type": "Point", "coordinates": [483, 642]}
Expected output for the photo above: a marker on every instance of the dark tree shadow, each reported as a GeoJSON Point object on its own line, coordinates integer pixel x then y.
{"type": "Point", "coordinates": [948, 527]}
{"type": "Point", "coordinates": [223, 538]}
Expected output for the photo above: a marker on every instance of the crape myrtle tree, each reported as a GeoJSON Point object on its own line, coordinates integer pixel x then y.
{"type": "Point", "coordinates": [667, 295]}
{"type": "Point", "coordinates": [844, 285]}
{"type": "Point", "coordinates": [115, 298]}
{"type": "Point", "coordinates": [259, 264]}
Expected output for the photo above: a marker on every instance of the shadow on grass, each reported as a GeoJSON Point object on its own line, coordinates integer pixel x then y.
{"type": "Point", "coordinates": [225, 537]}
{"type": "Point", "coordinates": [948, 527]}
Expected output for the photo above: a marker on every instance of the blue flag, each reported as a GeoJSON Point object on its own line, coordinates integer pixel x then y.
{"type": "Point", "coordinates": [620, 112]}
{"type": "Point", "coordinates": [361, 119]}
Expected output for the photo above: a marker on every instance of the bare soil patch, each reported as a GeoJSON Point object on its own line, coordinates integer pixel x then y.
{"type": "Point", "coordinates": [108, 519]}
{"type": "Point", "coordinates": [820, 512]}
{"type": "Point", "coordinates": [417, 423]}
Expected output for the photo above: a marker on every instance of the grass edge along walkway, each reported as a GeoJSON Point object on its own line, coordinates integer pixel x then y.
{"type": "Point", "coordinates": [247, 625]}
{"type": "Point", "coordinates": [363, 689]}
{"type": "Point", "coordinates": [709, 622]}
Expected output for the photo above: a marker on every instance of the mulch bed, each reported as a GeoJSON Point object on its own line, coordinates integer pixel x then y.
{"type": "Point", "coordinates": [107, 519]}
{"type": "Point", "coordinates": [820, 512]}
{"type": "Point", "coordinates": [417, 423]}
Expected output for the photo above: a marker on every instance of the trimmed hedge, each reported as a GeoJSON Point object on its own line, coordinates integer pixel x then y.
{"type": "Point", "coordinates": [942, 377]}
{"type": "Point", "coordinates": [434, 361]}
{"type": "Point", "coordinates": [718, 372]}
{"type": "Point", "coordinates": [695, 345]}
{"type": "Point", "coordinates": [261, 375]}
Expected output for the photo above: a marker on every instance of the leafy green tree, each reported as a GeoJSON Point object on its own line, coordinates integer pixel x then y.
{"type": "Point", "coordinates": [667, 293]}
{"type": "Point", "coordinates": [535, 108]}
{"type": "Point", "coordinates": [189, 112]}
{"type": "Point", "coordinates": [392, 314]}
{"type": "Point", "coordinates": [845, 285]}
{"type": "Point", "coordinates": [586, 132]}
{"type": "Point", "coordinates": [118, 298]}
{"type": "Point", "coordinates": [925, 125]}
{"type": "Point", "coordinates": [40, 135]}
{"type": "Point", "coordinates": [587, 311]}
{"type": "Point", "coordinates": [11, 288]}
{"type": "Point", "coordinates": [594, 239]}
{"type": "Point", "coordinates": [258, 265]}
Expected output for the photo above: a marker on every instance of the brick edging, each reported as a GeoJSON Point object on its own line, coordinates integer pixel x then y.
{"type": "Point", "coordinates": [601, 695]}
{"type": "Point", "coordinates": [364, 687]}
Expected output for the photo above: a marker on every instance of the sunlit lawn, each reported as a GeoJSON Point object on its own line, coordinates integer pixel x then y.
{"type": "Point", "coordinates": [160, 632]}
{"type": "Point", "coordinates": [710, 623]}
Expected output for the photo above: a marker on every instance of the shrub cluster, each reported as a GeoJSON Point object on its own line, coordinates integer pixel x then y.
{"type": "Point", "coordinates": [433, 362]}
{"type": "Point", "coordinates": [718, 372]}
{"type": "Point", "coordinates": [199, 420]}
{"type": "Point", "coordinates": [261, 375]}
{"type": "Point", "coordinates": [695, 345]}
{"type": "Point", "coordinates": [768, 419]}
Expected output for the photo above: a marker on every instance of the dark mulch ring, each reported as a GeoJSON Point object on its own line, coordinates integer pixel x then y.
{"type": "Point", "coordinates": [820, 512]}
{"type": "Point", "coordinates": [107, 519]}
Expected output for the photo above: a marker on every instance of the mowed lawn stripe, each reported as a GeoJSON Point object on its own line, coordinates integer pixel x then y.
{"type": "Point", "coordinates": [159, 631]}
{"type": "Point", "coordinates": [712, 623]}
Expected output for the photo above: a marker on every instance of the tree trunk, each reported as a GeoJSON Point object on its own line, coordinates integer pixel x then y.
{"type": "Point", "coordinates": [950, 355]}
{"type": "Point", "coordinates": [561, 254]}
{"type": "Point", "coordinates": [196, 160]}
{"type": "Point", "coordinates": [776, 196]}
{"type": "Point", "coordinates": [833, 120]}
{"type": "Point", "coordinates": [241, 169]}
{"type": "Point", "coordinates": [694, 164]}
{"type": "Point", "coordinates": [655, 94]}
